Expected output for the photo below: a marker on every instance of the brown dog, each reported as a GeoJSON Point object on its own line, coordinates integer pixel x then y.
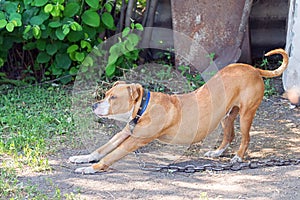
{"type": "Point", "coordinates": [181, 119]}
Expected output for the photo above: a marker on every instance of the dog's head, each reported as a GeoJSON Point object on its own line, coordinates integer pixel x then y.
{"type": "Point", "coordinates": [119, 102]}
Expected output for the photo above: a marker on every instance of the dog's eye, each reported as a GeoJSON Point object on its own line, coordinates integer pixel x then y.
{"type": "Point", "coordinates": [112, 97]}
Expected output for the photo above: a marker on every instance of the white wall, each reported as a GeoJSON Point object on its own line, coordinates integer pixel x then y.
{"type": "Point", "coordinates": [291, 76]}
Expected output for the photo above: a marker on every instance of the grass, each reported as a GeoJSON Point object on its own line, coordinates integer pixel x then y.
{"type": "Point", "coordinates": [33, 122]}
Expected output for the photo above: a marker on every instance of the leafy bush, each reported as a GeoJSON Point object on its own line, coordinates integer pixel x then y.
{"type": "Point", "coordinates": [51, 38]}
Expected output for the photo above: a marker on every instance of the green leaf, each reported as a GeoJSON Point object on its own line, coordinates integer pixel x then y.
{"type": "Point", "coordinates": [27, 29]}
{"type": "Point", "coordinates": [59, 34]}
{"type": "Point", "coordinates": [55, 24]}
{"type": "Point", "coordinates": [66, 30]}
{"type": "Point", "coordinates": [110, 70]}
{"type": "Point", "coordinates": [15, 16]}
{"type": "Point", "coordinates": [125, 32]}
{"type": "Point", "coordinates": [71, 9]}
{"type": "Point", "coordinates": [73, 71]}
{"type": "Point", "coordinates": [79, 56]}
{"type": "Point", "coordinates": [139, 26]}
{"type": "Point", "coordinates": [10, 27]}
{"type": "Point", "coordinates": [63, 61]}
{"type": "Point", "coordinates": [66, 79]}
{"type": "Point", "coordinates": [75, 36]}
{"type": "Point", "coordinates": [93, 3]}
{"type": "Point", "coordinates": [75, 26]}
{"type": "Point", "coordinates": [108, 7]}
{"type": "Point", "coordinates": [88, 61]}
{"type": "Point", "coordinates": [29, 46]}
{"type": "Point", "coordinates": [91, 32]}
{"type": "Point", "coordinates": [108, 20]}
{"type": "Point", "coordinates": [56, 71]}
{"type": "Point", "coordinates": [51, 49]}
{"type": "Point", "coordinates": [133, 39]}
{"type": "Point", "coordinates": [3, 23]}
{"type": "Point", "coordinates": [56, 11]}
{"type": "Point", "coordinates": [36, 20]}
{"type": "Point", "coordinates": [48, 8]}
{"type": "Point", "coordinates": [36, 31]}
{"type": "Point", "coordinates": [91, 18]}
{"type": "Point", "coordinates": [40, 3]}
{"type": "Point", "coordinates": [11, 7]}
{"type": "Point", "coordinates": [41, 45]}
{"type": "Point", "coordinates": [72, 48]}
{"type": "Point", "coordinates": [86, 44]}
{"type": "Point", "coordinates": [2, 15]}
{"type": "Point", "coordinates": [27, 2]}
{"type": "Point", "coordinates": [43, 57]}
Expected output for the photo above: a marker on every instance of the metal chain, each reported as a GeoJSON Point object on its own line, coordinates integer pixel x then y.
{"type": "Point", "coordinates": [254, 164]}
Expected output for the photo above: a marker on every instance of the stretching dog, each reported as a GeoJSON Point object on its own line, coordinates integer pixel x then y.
{"type": "Point", "coordinates": [181, 119]}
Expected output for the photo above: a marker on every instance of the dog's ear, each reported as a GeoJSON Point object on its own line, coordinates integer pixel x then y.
{"type": "Point", "coordinates": [118, 82]}
{"type": "Point", "coordinates": [135, 91]}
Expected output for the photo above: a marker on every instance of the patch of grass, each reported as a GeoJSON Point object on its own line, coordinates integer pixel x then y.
{"type": "Point", "coordinates": [29, 118]}
{"type": "Point", "coordinates": [12, 188]}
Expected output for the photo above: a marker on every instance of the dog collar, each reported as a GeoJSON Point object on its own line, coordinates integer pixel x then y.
{"type": "Point", "coordinates": [142, 108]}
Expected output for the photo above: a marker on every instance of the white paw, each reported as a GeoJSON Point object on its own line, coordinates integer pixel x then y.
{"type": "Point", "coordinates": [85, 158]}
{"type": "Point", "coordinates": [80, 159]}
{"type": "Point", "coordinates": [216, 153]}
{"type": "Point", "coordinates": [213, 154]}
{"type": "Point", "coordinates": [236, 159]}
{"type": "Point", "coordinates": [85, 170]}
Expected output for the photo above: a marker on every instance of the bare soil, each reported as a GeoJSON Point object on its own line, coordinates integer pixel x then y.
{"type": "Point", "coordinates": [275, 133]}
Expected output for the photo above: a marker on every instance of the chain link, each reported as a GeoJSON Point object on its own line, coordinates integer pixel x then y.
{"type": "Point", "coordinates": [191, 168]}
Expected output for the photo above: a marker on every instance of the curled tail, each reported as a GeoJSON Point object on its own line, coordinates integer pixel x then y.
{"type": "Point", "coordinates": [279, 70]}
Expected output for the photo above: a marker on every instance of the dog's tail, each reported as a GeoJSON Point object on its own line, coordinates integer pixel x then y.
{"type": "Point", "coordinates": [278, 71]}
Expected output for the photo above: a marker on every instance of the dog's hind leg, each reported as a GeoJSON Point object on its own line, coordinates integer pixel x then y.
{"type": "Point", "coordinates": [246, 119]}
{"type": "Point", "coordinates": [228, 127]}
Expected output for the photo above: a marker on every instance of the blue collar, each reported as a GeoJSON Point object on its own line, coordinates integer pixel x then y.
{"type": "Point", "coordinates": [142, 108]}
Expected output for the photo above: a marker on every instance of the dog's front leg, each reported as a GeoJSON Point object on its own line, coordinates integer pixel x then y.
{"type": "Point", "coordinates": [129, 145]}
{"type": "Point", "coordinates": [103, 150]}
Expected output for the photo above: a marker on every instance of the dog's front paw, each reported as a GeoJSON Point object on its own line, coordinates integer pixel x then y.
{"type": "Point", "coordinates": [216, 153]}
{"type": "Point", "coordinates": [85, 170]}
{"type": "Point", "coordinates": [93, 157]}
{"type": "Point", "coordinates": [236, 159]}
{"type": "Point", "coordinates": [213, 154]}
{"type": "Point", "coordinates": [80, 159]}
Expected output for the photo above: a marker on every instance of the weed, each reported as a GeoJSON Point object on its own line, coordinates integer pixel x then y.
{"type": "Point", "coordinates": [194, 79]}
{"type": "Point", "coordinates": [211, 57]}
{"type": "Point", "coordinates": [264, 63]}
{"type": "Point", "coordinates": [269, 88]}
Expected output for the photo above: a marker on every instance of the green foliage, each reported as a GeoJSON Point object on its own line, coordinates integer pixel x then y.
{"type": "Point", "coordinates": [29, 118]}
{"type": "Point", "coordinates": [124, 53]}
{"type": "Point", "coordinates": [59, 34]}
{"type": "Point", "coordinates": [194, 78]}
{"type": "Point", "coordinates": [269, 88]}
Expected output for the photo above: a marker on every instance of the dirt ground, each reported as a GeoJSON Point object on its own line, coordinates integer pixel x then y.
{"type": "Point", "coordinates": [275, 133]}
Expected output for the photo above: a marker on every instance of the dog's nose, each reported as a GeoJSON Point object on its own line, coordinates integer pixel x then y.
{"type": "Point", "coordinates": [94, 106]}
